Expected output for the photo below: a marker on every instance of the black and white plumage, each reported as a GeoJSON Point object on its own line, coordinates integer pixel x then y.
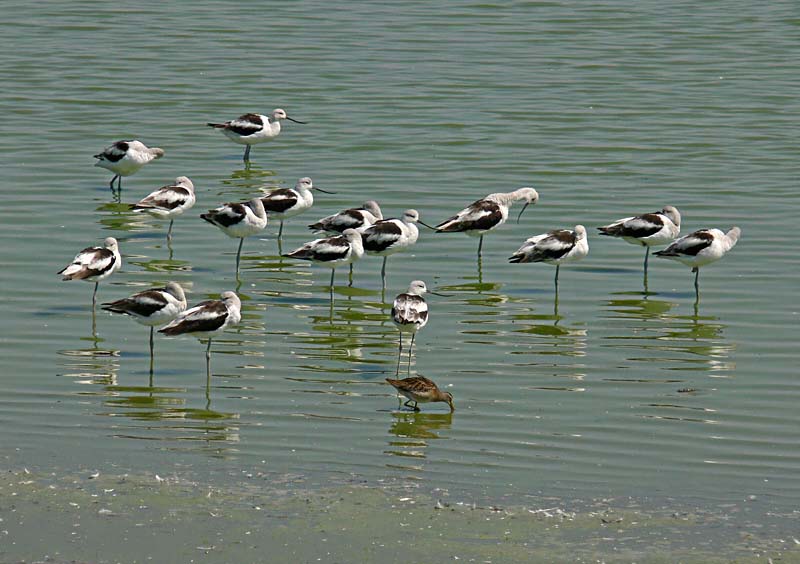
{"type": "Point", "coordinates": [207, 320]}
{"type": "Point", "coordinates": [94, 264]}
{"type": "Point", "coordinates": [487, 214]}
{"type": "Point", "coordinates": [554, 247]}
{"type": "Point", "coordinates": [151, 308]}
{"type": "Point", "coordinates": [251, 129]}
{"type": "Point", "coordinates": [238, 220]}
{"type": "Point", "coordinates": [332, 251]}
{"type": "Point", "coordinates": [700, 248]}
{"type": "Point", "coordinates": [168, 202]}
{"type": "Point", "coordinates": [389, 236]}
{"type": "Point", "coordinates": [409, 315]}
{"type": "Point", "coordinates": [124, 158]}
{"type": "Point", "coordinates": [354, 218]}
{"type": "Point", "coordinates": [289, 202]}
{"type": "Point", "coordinates": [647, 230]}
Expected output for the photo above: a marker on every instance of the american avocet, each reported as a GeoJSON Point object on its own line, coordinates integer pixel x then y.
{"type": "Point", "coordinates": [151, 308]}
{"type": "Point", "coordinates": [94, 264]}
{"type": "Point", "coordinates": [289, 202]}
{"type": "Point", "coordinates": [332, 251]}
{"type": "Point", "coordinates": [168, 202]}
{"type": "Point", "coordinates": [354, 218]}
{"type": "Point", "coordinates": [238, 220]}
{"type": "Point", "coordinates": [410, 314]}
{"type": "Point", "coordinates": [419, 389]}
{"type": "Point", "coordinates": [701, 248]}
{"type": "Point", "coordinates": [251, 129]}
{"type": "Point", "coordinates": [207, 320]}
{"type": "Point", "coordinates": [647, 230]}
{"type": "Point", "coordinates": [487, 213]}
{"type": "Point", "coordinates": [554, 247]}
{"type": "Point", "coordinates": [123, 158]}
{"type": "Point", "coordinates": [389, 236]}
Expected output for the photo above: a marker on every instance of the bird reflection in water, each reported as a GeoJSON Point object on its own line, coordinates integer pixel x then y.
{"type": "Point", "coordinates": [413, 431]}
{"type": "Point", "coordinates": [92, 365]}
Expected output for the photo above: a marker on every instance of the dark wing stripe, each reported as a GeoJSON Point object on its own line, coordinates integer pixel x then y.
{"type": "Point", "coordinates": [381, 236]}
{"type": "Point", "coordinates": [280, 200]}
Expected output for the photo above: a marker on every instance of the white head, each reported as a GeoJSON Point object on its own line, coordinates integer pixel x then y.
{"type": "Point", "coordinates": [528, 194]}
{"type": "Point", "coordinates": [157, 152]}
{"type": "Point", "coordinates": [176, 291]}
{"type": "Point", "coordinates": [580, 232]}
{"type": "Point", "coordinates": [257, 206]}
{"type": "Point", "coordinates": [304, 183]}
{"type": "Point", "coordinates": [352, 235]}
{"type": "Point", "coordinates": [184, 182]}
{"type": "Point", "coordinates": [410, 216]}
{"type": "Point", "coordinates": [230, 299]}
{"type": "Point", "coordinates": [279, 114]}
{"type": "Point", "coordinates": [111, 244]}
{"type": "Point", "coordinates": [372, 207]}
{"type": "Point", "coordinates": [733, 235]}
{"type": "Point", "coordinates": [673, 214]}
{"type": "Point", "coordinates": [417, 288]}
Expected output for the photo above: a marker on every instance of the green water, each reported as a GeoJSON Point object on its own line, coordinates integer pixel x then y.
{"type": "Point", "coordinates": [609, 109]}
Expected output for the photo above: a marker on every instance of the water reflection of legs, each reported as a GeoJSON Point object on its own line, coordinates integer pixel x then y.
{"type": "Point", "coordinates": [151, 354]}
{"type": "Point", "coordinates": [696, 283]}
{"type": "Point", "coordinates": [383, 273]}
{"type": "Point", "coordinates": [239, 254]}
{"type": "Point", "coordinates": [399, 354]}
{"type": "Point", "coordinates": [480, 267]}
{"type": "Point", "coordinates": [558, 266]}
{"type": "Point", "coordinates": [410, 348]}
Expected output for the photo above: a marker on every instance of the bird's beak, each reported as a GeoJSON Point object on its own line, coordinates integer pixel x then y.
{"type": "Point", "coordinates": [321, 190]}
{"type": "Point", "coordinates": [442, 295]}
{"type": "Point", "coordinates": [295, 120]}
{"type": "Point", "coordinates": [522, 210]}
{"type": "Point", "coordinates": [426, 225]}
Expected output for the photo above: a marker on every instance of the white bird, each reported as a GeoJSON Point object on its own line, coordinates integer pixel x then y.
{"type": "Point", "coordinates": [554, 247]}
{"type": "Point", "coordinates": [332, 251]}
{"type": "Point", "coordinates": [389, 236]}
{"type": "Point", "coordinates": [124, 158]}
{"type": "Point", "coordinates": [410, 314]}
{"type": "Point", "coordinates": [354, 218]}
{"type": "Point", "coordinates": [701, 248]}
{"type": "Point", "coordinates": [238, 220]}
{"type": "Point", "coordinates": [168, 202]}
{"type": "Point", "coordinates": [251, 129]}
{"type": "Point", "coordinates": [94, 264]}
{"type": "Point", "coordinates": [151, 308]}
{"type": "Point", "coordinates": [647, 230]}
{"type": "Point", "coordinates": [486, 214]}
{"type": "Point", "coordinates": [289, 202]}
{"type": "Point", "coordinates": [207, 320]}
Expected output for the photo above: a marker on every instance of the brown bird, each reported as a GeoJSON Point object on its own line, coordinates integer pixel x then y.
{"type": "Point", "coordinates": [420, 390]}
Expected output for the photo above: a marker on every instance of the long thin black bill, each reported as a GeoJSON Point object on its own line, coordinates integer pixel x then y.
{"type": "Point", "coordinates": [522, 210]}
{"type": "Point", "coordinates": [296, 121]}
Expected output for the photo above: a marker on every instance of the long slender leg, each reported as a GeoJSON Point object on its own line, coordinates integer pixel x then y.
{"type": "Point", "coordinates": [169, 231]}
{"type": "Point", "coordinates": [350, 280]}
{"type": "Point", "coordinates": [119, 183]}
{"type": "Point", "coordinates": [94, 296]}
{"type": "Point", "coordinates": [333, 274]}
{"type": "Point", "coordinates": [239, 254]}
{"type": "Point", "coordinates": [696, 282]}
{"type": "Point", "coordinates": [480, 247]}
{"type": "Point", "coordinates": [246, 157]}
{"type": "Point", "coordinates": [408, 403]}
{"type": "Point", "coordinates": [383, 272]}
{"type": "Point", "coordinates": [646, 256]}
{"type": "Point", "coordinates": [208, 363]}
{"type": "Point", "coordinates": [111, 184]}
{"type": "Point", "coordinates": [280, 231]}
{"type": "Point", "coordinates": [558, 266]}
{"type": "Point", "coordinates": [416, 406]}
{"type": "Point", "coordinates": [151, 350]}
{"type": "Point", "coordinates": [399, 354]}
{"type": "Point", "coordinates": [410, 348]}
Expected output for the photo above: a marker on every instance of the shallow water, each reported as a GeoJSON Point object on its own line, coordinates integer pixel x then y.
{"type": "Point", "coordinates": [608, 110]}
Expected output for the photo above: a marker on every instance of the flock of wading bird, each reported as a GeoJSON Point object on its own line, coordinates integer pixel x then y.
{"type": "Point", "coordinates": [352, 233]}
